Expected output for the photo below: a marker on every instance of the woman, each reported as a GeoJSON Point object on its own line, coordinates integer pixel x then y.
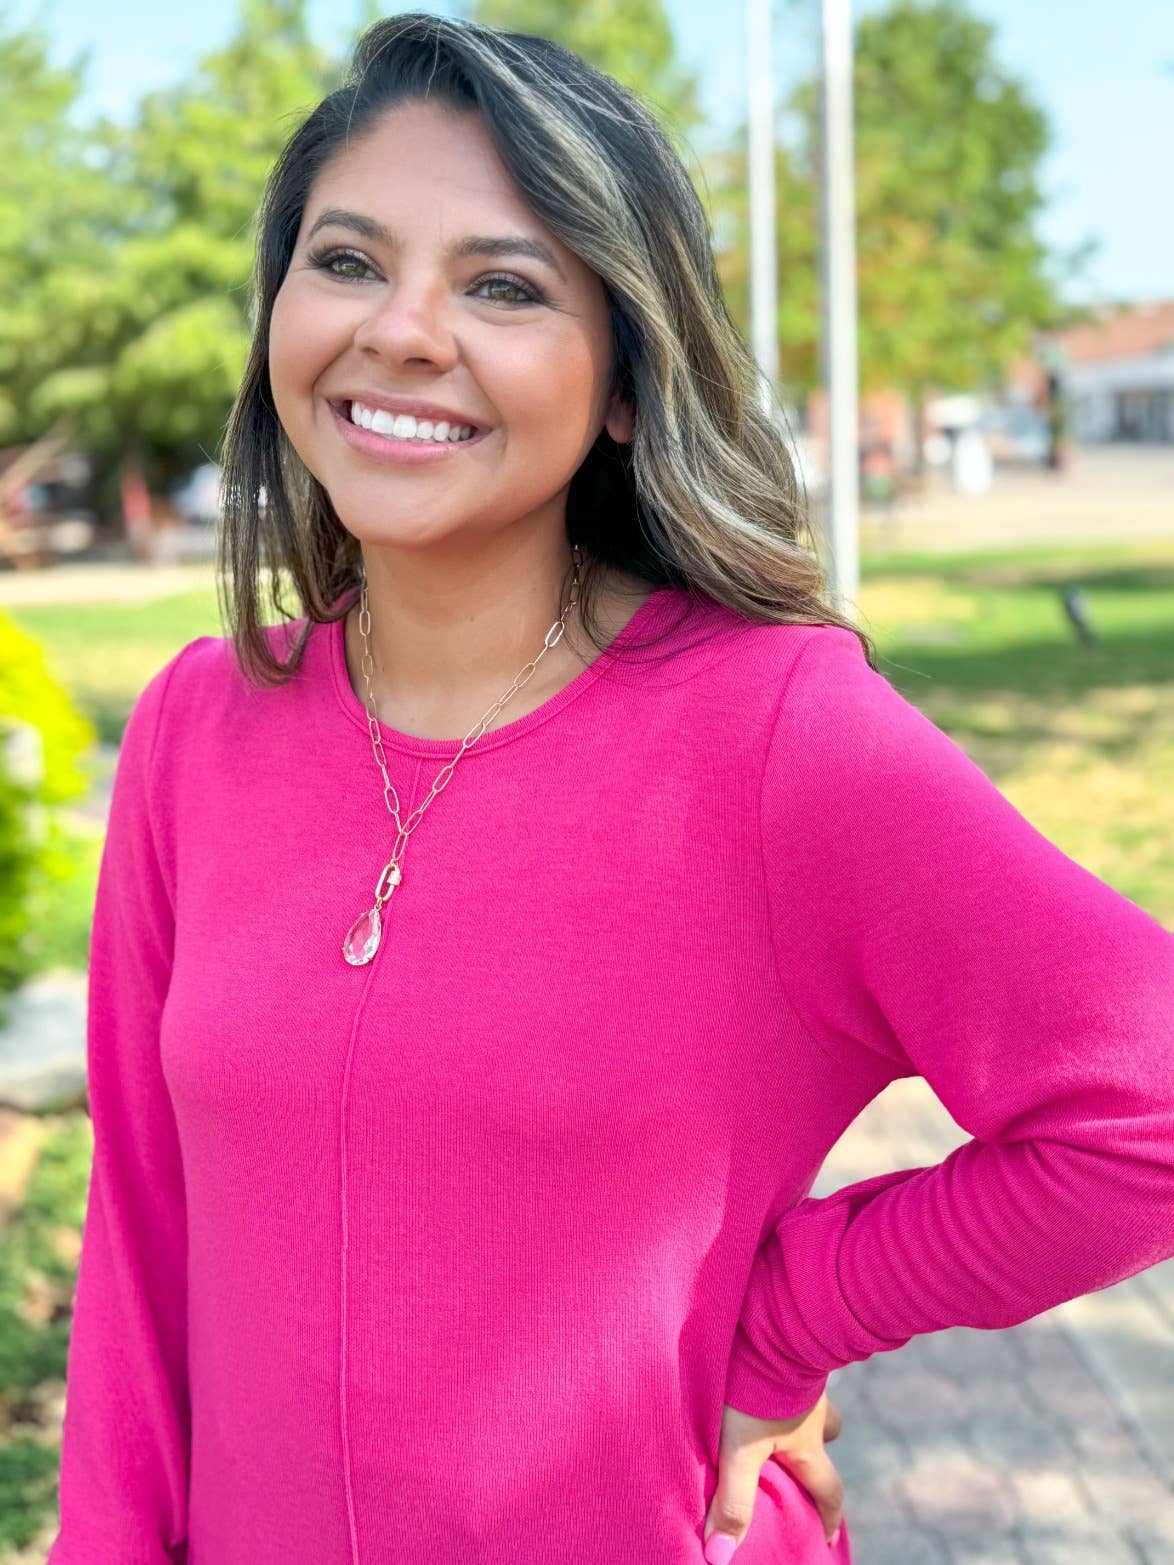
{"type": "Point", "coordinates": [486, 958]}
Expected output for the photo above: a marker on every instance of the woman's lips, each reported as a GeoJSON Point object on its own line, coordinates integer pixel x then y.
{"type": "Point", "coordinates": [398, 453]}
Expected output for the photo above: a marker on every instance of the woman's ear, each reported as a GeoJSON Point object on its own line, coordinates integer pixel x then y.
{"type": "Point", "coordinates": [620, 419]}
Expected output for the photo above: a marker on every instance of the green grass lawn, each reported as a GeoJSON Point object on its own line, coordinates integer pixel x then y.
{"type": "Point", "coordinates": [104, 653]}
{"type": "Point", "coordinates": [38, 1275]}
{"type": "Point", "coordinates": [1080, 739]}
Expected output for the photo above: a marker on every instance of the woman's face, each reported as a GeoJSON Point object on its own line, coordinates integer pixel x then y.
{"type": "Point", "coordinates": [421, 280]}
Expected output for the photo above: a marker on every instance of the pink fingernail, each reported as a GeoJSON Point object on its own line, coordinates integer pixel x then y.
{"type": "Point", "coordinates": [720, 1548]}
{"type": "Point", "coordinates": [834, 1539]}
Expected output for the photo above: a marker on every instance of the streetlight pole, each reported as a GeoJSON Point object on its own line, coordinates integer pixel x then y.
{"type": "Point", "coordinates": [838, 302]}
{"type": "Point", "coordinates": [764, 336]}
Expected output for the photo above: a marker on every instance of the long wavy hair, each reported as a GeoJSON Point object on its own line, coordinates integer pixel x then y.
{"type": "Point", "coordinates": [705, 495]}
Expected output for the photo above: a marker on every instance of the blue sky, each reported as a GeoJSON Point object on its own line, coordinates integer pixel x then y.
{"type": "Point", "coordinates": [1104, 75]}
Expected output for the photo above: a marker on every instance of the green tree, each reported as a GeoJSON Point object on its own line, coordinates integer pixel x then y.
{"type": "Point", "coordinates": [127, 248]}
{"type": "Point", "coordinates": [54, 210]}
{"type": "Point", "coordinates": [189, 170]}
{"type": "Point", "coordinates": [953, 277]}
{"type": "Point", "coordinates": [631, 40]}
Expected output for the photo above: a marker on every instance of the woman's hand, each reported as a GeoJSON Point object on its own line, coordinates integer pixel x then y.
{"type": "Point", "coordinates": [746, 1443]}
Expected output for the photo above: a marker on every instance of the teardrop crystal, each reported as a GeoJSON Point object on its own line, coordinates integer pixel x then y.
{"type": "Point", "coordinates": [362, 940]}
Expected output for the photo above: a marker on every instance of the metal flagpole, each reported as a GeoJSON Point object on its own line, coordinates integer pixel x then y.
{"type": "Point", "coordinates": [764, 337]}
{"type": "Point", "coordinates": [838, 302]}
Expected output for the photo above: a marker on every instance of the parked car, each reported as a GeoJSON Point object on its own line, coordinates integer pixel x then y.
{"type": "Point", "coordinates": [1017, 434]}
{"type": "Point", "coordinates": [197, 499]}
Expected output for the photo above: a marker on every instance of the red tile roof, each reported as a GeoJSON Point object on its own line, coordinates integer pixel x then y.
{"type": "Point", "coordinates": [1124, 334]}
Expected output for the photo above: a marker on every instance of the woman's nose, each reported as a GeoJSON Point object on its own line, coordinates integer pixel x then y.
{"type": "Point", "coordinates": [409, 321]}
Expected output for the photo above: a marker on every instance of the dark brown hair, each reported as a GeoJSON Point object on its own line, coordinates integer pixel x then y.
{"type": "Point", "coordinates": [706, 493]}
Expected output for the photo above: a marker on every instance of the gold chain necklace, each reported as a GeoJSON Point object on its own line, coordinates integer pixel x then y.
{"type": "Point", "coordinates": [362, 938]}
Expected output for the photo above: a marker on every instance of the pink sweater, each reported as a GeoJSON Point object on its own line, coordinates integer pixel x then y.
{"type": "Point", "coordinates": [455, 1257]}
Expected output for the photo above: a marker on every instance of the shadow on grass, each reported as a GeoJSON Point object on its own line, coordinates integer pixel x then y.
{"type": "Point", "coordinates": [1040, 669]}
{"type": "Point", "coordinates": [1017, 640]}
{"type": "Point", "coordinates": [950, 687]}
{"type": "Point", "coordinates": [1149, 578]}
{"type": "Point", "coordinates": [109, 717]}
{"type": "Point", "coordinates": [1148, 566]}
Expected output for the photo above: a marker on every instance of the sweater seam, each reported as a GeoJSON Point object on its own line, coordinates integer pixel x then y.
{"type": "Point", "coordinates": [784, 987]}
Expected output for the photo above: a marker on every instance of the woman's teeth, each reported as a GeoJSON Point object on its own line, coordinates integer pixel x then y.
{"type": "Point", "coordinates": [402, 426]}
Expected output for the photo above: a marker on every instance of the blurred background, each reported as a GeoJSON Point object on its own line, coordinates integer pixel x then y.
{"type": "Point", "coordinates": [1001, 518]}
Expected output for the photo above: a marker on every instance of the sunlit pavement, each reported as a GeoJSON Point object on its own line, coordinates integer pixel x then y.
{"type": "Point", "coordinates": [1049, 1443]}
{"type": "Point", "coordinates": [1108, 494]}
{"type": "Point", "coordinates": [103, 581]}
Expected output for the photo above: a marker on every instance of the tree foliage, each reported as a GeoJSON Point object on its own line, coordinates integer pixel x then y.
{"type": "Point", "coordinates": [137, 324]}
{"type": "Point", "coordinates": [631, 40]}
{"type": "Point", "coordinates": [55, 212]}
{"type": "Point", "coordinates": [126, 248]}
{"type": "Point", "coordinates": [953, 277]}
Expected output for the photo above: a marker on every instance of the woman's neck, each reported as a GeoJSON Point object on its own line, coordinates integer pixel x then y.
{"type": "Point", "coordinates": [482, 659]}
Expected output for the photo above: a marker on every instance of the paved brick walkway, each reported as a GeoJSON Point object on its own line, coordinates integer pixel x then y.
{"type": "Point", "coordinates": [1045, 1444]}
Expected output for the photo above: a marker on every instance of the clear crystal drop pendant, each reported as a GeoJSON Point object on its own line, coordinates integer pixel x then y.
{"type": "Point", "coordinates": [362, 938]}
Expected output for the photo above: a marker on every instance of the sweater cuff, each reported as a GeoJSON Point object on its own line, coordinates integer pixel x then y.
{"type": "Point", "coordinates": [757, 1388]}
{"type": "Point", "coordinates": [796, 1326]}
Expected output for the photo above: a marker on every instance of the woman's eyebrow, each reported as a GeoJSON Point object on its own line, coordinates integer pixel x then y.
{"type": "Point", "coordinates": [495, 245]}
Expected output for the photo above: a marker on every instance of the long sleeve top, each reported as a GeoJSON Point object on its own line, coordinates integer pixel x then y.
{"type": "Point", "coordinates": [456, 1256]}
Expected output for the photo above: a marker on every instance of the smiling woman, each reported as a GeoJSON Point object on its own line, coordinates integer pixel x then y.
{"type": "Point", "coordinates": [478, 231]}
{"type": "Point", "coordinates": [470, 1223]}
{"type": "Point", "coordinates": [522, 360]}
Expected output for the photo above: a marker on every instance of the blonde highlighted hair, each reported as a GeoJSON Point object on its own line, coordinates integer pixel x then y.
{"type": "Point", "coordinates": [706, 493]}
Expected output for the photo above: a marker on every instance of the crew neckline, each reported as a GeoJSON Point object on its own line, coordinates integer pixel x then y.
{"type": "Point", "coordinates": [413, 744]}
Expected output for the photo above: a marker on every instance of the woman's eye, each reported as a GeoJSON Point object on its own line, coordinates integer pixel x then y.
{"type": "Point", "coordinates": [529, 295]}
{"type": "Point", "coordinates": [325, 261]}
{"type": "Point", "coordinates": [328, 260]}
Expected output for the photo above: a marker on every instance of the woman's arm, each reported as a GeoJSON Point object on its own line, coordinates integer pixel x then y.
{"type": "Point", "coordinates": [124, 1467]}
{"type": "Point", "coordinates": [919, 918]}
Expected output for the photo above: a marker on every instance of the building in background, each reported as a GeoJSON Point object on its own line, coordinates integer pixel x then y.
{"type": "Point", "coordinates": [1117, 374]}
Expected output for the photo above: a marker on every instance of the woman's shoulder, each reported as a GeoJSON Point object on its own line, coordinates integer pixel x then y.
{"type": "Point", "coordinates": [846, 745]}
{"type": "Point", "coordinates": [818, 653]}
{"type": "Point", "coordinates": [215, 660]}
{"type": "Point", "coordinates": [203, 682]}
{"type": "Point", "coordinates": [772, 659]}
{"type": "Point", "coordinates": [197, 660]}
